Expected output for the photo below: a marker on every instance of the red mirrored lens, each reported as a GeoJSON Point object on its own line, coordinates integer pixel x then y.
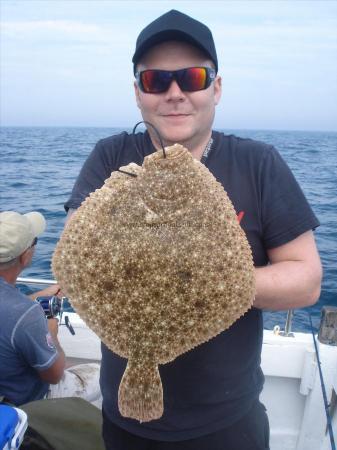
{"type": "Point", "coordinates": [193, 79]}
{"type": "Point", "coordinates": [154, 81]}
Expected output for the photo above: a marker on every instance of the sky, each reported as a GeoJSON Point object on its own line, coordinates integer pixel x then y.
{"type": "Point", "coordinates": [68, 63]}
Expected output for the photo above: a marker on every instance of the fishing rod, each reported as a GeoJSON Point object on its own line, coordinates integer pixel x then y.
{"type": "Point", "coordinates": [325, 399]}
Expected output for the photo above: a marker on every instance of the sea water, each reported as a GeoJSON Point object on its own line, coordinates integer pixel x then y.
{"type": "Point", "coordinates": [39, 167]}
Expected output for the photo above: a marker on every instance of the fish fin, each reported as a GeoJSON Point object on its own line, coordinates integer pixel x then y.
{"type": "Point", "coordinates": [140, 394]}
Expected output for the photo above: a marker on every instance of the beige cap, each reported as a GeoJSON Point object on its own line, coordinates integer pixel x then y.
{"type": "Point", "coordinates": [17, 232]}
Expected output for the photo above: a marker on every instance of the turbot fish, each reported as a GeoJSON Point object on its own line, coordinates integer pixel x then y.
{"type": "Point", "coordinates": [156, 263]}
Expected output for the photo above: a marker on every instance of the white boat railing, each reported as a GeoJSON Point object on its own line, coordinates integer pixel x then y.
{"type": "Point", "coordinates": [287, 328]}
{"type": "Point", "coordinates": [39, 281]}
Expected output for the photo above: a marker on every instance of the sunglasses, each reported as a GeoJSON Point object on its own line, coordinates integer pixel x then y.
{"type": "Point", "coordinates": [34, 242]}
{"type": "Point", "coordinates": [192, 79]}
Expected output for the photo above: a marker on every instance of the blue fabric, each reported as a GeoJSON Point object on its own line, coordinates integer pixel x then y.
{"type": "Point", "coordinates": [215, 384]}
{"type": "Point", "coordinates": [8, 420]}
{"type": "Point", "coordinates": [26, 346]}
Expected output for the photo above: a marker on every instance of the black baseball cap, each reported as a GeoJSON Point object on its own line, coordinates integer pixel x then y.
{"type": "Point", "coordinates": [177, 26]}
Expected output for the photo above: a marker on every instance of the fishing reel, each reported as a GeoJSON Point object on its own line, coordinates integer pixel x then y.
{"type": "Point", "coordinates": [54, 307]}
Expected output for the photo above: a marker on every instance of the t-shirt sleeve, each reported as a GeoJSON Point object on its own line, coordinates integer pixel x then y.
{"type": "Point", "coordinates": [286, 213]}
{"type": "Point", "coordinates": [94, 172]}
{"type": "Point", "coordinates": [32, 339]}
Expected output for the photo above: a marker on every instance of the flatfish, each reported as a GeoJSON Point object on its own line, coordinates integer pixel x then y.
{"type": "Point", "coordinates": [155, 264]}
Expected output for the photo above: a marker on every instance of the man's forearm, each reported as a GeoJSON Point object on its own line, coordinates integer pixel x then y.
{"type": "Point", "coordinates": [59, 348]}
{"type": "Point", "coordinates": [61, 354]}
{"type": "Point", "coordinates": [286, 285]}
{"type": "Point", "coordinates": [47, 292]}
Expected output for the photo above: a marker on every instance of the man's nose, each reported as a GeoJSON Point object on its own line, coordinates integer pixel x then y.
{"type": "Point", "coordinates": [174, 92]}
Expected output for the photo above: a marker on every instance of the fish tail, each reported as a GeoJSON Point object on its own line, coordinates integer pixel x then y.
{"type": "Point", "coordinates": [140, 394]}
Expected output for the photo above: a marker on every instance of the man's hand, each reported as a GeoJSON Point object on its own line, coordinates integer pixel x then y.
{"type": "Point", "coordinates": [47, 292]}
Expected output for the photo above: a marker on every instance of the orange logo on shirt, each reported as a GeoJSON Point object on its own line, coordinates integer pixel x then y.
{"type": "Point", "coordinates": [240, 216]}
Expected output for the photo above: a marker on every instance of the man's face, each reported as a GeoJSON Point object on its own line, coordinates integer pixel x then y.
{"type": "Point", "coordinates": [179, 116]}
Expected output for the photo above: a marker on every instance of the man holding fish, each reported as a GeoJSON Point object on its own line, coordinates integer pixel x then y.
{"type": "Point", "coordinates": [211, 393]}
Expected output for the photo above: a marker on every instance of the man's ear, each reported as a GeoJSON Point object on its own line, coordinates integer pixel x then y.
{"type": "Point", "coordinates": [26, 257]}
{"type": "Point", "coordinates": [137, 94]}
{"type": "Point", "coordinates": [217, 89]}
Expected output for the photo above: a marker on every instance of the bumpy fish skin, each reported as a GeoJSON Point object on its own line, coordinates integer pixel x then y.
{"type": "Point", "coordinates": [156, 265]}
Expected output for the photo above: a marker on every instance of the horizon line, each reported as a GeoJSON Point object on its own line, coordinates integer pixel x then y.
{"type": "Point", "coordinates": [131, 126]}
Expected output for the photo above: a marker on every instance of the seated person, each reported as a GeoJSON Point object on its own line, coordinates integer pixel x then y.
{"type": "Point", "coordinates": [31, 357]}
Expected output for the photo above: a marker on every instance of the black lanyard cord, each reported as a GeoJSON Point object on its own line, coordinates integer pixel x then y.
{"type": "Point", "coordinates": [157, 133]}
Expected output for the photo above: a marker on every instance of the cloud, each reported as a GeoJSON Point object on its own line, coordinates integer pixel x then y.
{"type": "Point", "coordinates": [42, 26]}
{"type": "Point", "coordinates": [63, 30]}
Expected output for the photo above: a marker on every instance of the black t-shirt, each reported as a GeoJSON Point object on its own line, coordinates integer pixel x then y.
{"type": "Point", "coordinates": [213, 385]}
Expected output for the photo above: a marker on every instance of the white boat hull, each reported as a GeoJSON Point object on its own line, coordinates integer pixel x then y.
{"type": "Point", "coordinates": [292, 392]}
